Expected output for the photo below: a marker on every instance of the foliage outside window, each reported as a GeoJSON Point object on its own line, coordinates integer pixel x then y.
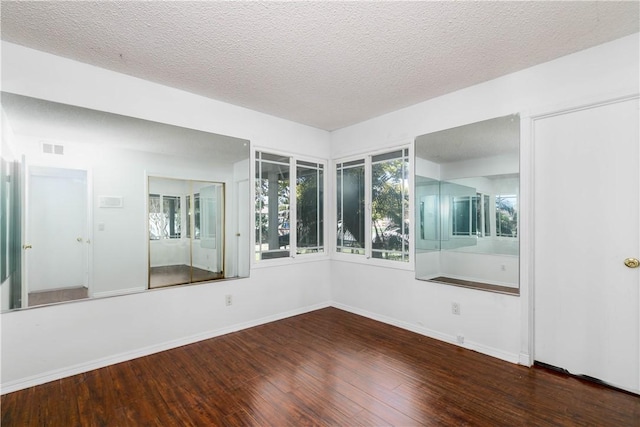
{"type": "Point", "coordinates": [507, 215]}
{"type": "Point", "coordinates": [272, 206]}
{"type": "Point", "coordinates": [388, 222]}
{"type": "Point", "coordinates": [277, 207]}
{"type": "Point", "coordinates": [164, 217]}
{"type": "Point", "coordinates": [350, 189]}
{"type": "Point", "coordinates": [390, 205]}
{"type": "Point", "coordinates": [309, 207]}
{"type": "Point", "coordinates": [196, 216]}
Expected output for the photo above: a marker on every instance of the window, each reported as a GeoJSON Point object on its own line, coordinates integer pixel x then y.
{"type": "Point", "coordinates": [196, 216]}
{"type": "Point", "coordinates": [471, 215]}
{"type": "Point", "coordinates": [390, 205]}
{"type": "Point", "coordinates": [164, 217]}
{"type": "Point", "coordinates": [309, 207]}
{"type": "Point", "coordinates": [487, 214]}
{"type": "Point", "coordinates": [383, 232]}
{"type": "Point", "coordinates": [351, 215]}
{"type": "Point", "coordinates": [507, 215]}
{"type": "Point", "coordinates": [275, 237]}
{"type": "Point", "coordinates": [464, 222]}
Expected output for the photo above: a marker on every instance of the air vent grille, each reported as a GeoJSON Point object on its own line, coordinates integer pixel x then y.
{"type": "Point", "coordinates": [48, 148]}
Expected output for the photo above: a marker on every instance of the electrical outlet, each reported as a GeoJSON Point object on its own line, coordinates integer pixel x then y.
{"type": "Point", "coordinates": [455, 308]}
{"type": "Point", "coordinates": [460, 338]}
{"type": "Point", "coordinates": [503, 267]}
{"type": "Point", "coordinates": [228, 300]}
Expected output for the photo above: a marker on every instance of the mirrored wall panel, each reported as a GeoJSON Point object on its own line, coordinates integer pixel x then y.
{"type": "Point", "coordinates": [97, 203]}
{"type": "Point", "coordinates": [467, 191]}
{"type": "Point", "coordinates": [186, 231]}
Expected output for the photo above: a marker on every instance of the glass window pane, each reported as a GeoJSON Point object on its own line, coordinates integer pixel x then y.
{"type": "Point", "coordinates": [171, 212]}
{"type": "Point", "coordinates": [309, 208]}
{"type": "Point", "coordinates": [390, 207]}
{"type": "Point", "coordinates": [507, 215]}
{"type": "Point", "coordinates": [272, 209]}
{"type": "Point", "coordinates": [487, 216]}
{"type": "Point", "coordinates": [156, 219]}
{"type": "Point", "coordinates": [461, 216]}
{"type": "Point", "coordinates": [351, 213]}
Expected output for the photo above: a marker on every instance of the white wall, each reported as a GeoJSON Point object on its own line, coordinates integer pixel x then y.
{"type": "Point", "coordinates": [49, 342]}
{"type": "Point", "coordinates": [495, 324]}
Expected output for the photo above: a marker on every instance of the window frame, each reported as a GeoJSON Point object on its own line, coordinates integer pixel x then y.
{"type": "Point", "coordinates": [293, 257]}
{"type": "Point", "coordinates": [368, 258]}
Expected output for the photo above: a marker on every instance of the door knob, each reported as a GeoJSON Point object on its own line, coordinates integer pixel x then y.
{"type": "Point", "coordinates": [632, 262]}
{"type": "Point", "coordinates": [26, 246]}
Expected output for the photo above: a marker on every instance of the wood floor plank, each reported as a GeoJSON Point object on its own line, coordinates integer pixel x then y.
{"type": "Point", "coordinates": [324, 368]}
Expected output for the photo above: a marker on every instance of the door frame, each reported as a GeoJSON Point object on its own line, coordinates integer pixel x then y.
{"type": "Point", "coordinates": [88, 248]}
{"type": "Point", "coordinates": [527, 271]}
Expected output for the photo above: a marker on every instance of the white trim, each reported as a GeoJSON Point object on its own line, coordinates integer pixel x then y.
{"type": "Point", "coordinates": [57, 374]}
{"type": "Point", "coordinates": [524, 359]}
{"type": "Point", "coordinates": [566, 108]}
{"type": "Point", "coordinates": [451, 339]}
{"type": "Point", "coordinates": [526, 232]}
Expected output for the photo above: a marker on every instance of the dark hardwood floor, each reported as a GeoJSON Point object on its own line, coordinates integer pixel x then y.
{"type": "Point", "coordinates": [326, 368]}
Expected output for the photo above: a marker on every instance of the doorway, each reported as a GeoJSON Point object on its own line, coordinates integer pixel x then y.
{"type": "Point", "coordinates": [186, 231]}
{"type": "Point", "coordinates": [56, 242]}
{"type": "Point", "coordinates": [587, 217]}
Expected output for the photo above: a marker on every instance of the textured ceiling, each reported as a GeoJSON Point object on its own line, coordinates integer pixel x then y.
{"type": "Point", "coordinates": [325, 64]}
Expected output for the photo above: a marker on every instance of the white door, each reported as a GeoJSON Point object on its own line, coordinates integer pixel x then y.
{"type": "Point", "coordinates": [587, 186]}
{"type": "Point", "coordinates": [56, 229]}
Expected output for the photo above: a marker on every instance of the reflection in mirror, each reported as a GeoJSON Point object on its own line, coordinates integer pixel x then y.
{"type": "Point", "coordinates": [186, 231]}
{"type": "Point", "coordinates": [103, 198]}
{"type": "Point", "coordinates": [467, 192]}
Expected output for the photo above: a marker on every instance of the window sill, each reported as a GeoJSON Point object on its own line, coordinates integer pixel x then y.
{"type": "Point", "coordinates": [377, 262]}
{"type": "Point", "coordinates": [474, 285]}
{"type": "Point", "coordinates": [290, 260]}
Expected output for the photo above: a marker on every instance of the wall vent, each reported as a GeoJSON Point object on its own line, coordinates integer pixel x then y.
{"type": "Point", "coordinates": [110, 202]}
{"type": "Point", "coordinates": [52, 148]}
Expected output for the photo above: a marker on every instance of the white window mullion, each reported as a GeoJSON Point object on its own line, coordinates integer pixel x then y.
{"type": "Point", "coordinates": [319, 203]}
{"type": "Point", "coordinates": [293, 211]}
{"type": "Point", "coordinates": [368, 188]}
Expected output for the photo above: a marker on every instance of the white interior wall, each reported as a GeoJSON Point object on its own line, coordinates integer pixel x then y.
{"type": "Point", "coordinates": [495, 324]}
{"type": "Point", "coordinates": [79, 336]}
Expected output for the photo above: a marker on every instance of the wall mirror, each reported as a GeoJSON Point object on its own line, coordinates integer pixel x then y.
{"type": "Point", "coordinates": [97, 204]}
{"type": "Point", "coordinates": [467, 191]}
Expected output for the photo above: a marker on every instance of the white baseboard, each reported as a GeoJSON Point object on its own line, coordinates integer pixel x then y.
{"type": "Point", "coordinates": [57, 374]}
{"type": "Point", "coordinates": [480, 348]}
{"type": "Point", "coordinates": [525, 359]}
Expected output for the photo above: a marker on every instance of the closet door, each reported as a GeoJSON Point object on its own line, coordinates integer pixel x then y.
{"type": "Point", "coordinates": [587, 187]}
